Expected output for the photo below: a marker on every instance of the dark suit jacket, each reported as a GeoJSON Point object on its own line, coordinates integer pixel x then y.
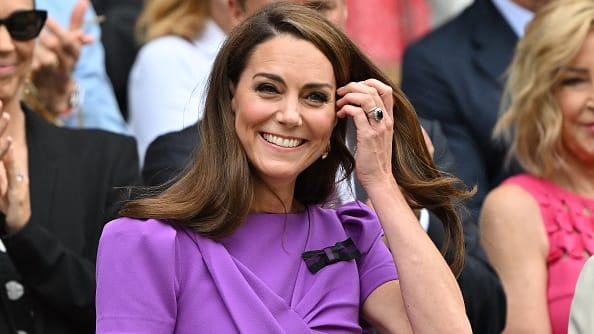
{"type": "Point", "coordinates": [72, 174]}
{"type": "Point", "coordinates": [483, 293]}
{"type": "Point", "coordinates": [168, 155]}
{"type": "Point", "coordinates": [455, 75]}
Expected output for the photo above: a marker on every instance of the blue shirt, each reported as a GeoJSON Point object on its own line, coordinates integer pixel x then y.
{"type": "Point", "coordinates": [98, 105]}
{"type": "Point", "coordinates": [515, 15]}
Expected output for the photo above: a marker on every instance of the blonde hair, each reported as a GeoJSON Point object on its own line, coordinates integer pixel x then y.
{"type": "Point", "coordinates": [183, 18]}
{"type": "Point", "coordinates": [533, 120]}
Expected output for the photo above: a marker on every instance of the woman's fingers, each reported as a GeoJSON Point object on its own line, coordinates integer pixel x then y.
{"type": "Point", "coordinates": [15, 204]}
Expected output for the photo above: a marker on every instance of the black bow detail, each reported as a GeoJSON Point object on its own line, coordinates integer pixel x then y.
{"type": "Point", "coordinates": [341, 251]}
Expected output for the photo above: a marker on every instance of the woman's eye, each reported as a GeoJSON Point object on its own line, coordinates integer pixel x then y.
{"type": "Point", "coordinates": [572, 81]}
{"type": "Point", "coordinates": [266, 88]}
{"type": "Point", "coordinates": [318, 97]}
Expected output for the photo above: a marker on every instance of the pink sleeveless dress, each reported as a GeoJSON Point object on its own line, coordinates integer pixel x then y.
{"type": "Point", "coordinates": [569, 222]}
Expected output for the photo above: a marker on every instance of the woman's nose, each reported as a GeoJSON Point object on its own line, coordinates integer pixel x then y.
{"type": "Point", "coordinates": [6, 42]}
{"type": "Point", "coordinates": [290, 113]}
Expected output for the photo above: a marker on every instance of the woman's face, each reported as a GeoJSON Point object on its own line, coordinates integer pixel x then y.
{"type": "Point", "coordinates": [284, 105]}
{"type": "Point", "coordinates": [575, 96]}
{"type": "Point", "coordinates": [15, 56]}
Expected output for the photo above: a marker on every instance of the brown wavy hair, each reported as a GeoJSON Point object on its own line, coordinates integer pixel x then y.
{"type": "Point", "coordinates": [214, 193]}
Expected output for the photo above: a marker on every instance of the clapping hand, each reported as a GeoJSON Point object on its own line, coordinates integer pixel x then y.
{"type": "Point", "coordinates": [14, 182]}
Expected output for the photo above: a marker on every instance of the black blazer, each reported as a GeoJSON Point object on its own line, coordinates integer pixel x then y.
{"type": "Point", "coordinates": [481, 288]}
{"type": "Point", "coordinates": [168, 154]}
{"type": "Point", "coordinates": [72, 178]}
{"type": "Point", "coordinates": [455, 75]}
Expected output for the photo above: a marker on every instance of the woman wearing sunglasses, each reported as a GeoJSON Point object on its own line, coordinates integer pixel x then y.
{"type": "Point", "coordinates": [56, 193]}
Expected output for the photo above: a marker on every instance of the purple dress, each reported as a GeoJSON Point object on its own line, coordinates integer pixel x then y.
{"type": "Point", "coordinates": [153, 277]}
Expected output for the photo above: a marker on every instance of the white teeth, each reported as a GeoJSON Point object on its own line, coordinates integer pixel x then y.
{"type": "Point", "coordinates": [284, 142]}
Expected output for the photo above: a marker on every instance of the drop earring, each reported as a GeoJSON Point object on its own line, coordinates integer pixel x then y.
{"type": "Point", "coordinates": [325, 154]}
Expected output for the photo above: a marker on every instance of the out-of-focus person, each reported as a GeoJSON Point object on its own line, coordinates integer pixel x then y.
{"type": "Point", "coordinates": [538, 227]}
{"type": "Point", "coordinates": [56, 193]}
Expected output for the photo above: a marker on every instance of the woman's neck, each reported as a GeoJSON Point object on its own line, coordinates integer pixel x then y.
{"type": "Point", "coordinates": [577, 177]}
{"type": "Point", "coordinates": [268, 199]}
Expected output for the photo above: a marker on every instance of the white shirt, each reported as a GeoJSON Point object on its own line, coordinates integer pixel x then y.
{"type": "Point", "coordinates": [167, 84]}
{"type": "Point", "coordinates": [515, 15]}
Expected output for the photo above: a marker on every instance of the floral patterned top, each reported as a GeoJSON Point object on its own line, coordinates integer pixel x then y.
{"type": "Point", "coordinates": [569, 222]}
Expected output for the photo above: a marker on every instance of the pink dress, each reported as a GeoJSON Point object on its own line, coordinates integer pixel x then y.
{"type": "Point", "coordinates": [569, 222]}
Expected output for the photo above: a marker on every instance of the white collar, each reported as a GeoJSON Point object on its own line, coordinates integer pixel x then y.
{"type": "Point", "coordinates": [515, 15]}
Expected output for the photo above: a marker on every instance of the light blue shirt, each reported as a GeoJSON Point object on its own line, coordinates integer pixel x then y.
{"type": "Point", "coordinates": [98, 105]}
{"type": "Point", "coordinates": [515, 15]}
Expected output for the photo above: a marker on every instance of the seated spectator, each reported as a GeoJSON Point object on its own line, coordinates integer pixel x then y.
{"type": "Point", "coordinates": [538, 227]}
{"type": "Point", "coordinates": [455, 75]}
{"type": "Point", "coordinates": [180, 40]}
{"type": "Point", "coordinates": [88, 101]}
{"type": "Point", "coordinates": [56, 193]}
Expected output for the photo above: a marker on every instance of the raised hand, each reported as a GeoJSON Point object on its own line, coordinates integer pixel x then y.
{"type": "Point", "coordinates": [360, 100]}
{"type": "Point", "coordinates": [56, 53]}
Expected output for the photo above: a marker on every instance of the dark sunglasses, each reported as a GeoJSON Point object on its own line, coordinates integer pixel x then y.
{"type": "Point", "coordinates": [24, 25]}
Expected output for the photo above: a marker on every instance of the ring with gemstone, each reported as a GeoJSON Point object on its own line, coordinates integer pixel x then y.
{"type": "Point", "coordinates": [376, 113]}
{"type": "Point", "coordinates": [20, 177]}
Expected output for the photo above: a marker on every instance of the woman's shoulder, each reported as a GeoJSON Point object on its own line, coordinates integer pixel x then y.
{"type": "Point", "coordinates": [510, 194]}
{"type": "Point", "coordinates": [166, 48]}
{"type": "Point", "coordinates": [509, 203]}
{"type": "Point", "coordinates": [359, 222]}
{"type": "Point", "coordinates": [143, 233]}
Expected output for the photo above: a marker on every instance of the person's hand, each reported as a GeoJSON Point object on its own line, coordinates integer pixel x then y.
{"type": "Point", "coordinates": [14, 183]}
{"type": "Point", "coordinates": [374, 136]}
{"type": "Point", "coordinates": [55, 56]}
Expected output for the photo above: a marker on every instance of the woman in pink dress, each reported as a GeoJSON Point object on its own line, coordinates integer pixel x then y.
{"type": "Point", "coordinates": [537, 227]}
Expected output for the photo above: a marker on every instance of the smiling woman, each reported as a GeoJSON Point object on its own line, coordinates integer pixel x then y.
{"type": "Point", "coordinates": [257, 246]}
{"type": "Point", "coordinates": [284, 115]}
{"type": "Point", "coordinates": [49, 189]}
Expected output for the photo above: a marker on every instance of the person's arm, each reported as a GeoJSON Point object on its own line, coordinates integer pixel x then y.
{"type": "Point", "coordinates": [69, 65]}
{"type": "Point", "coordinates": [99, 108]}
{"type": "Point", "coordinates": [137, 283]}
{"type": "Point", "coordinates": [514, 238]}
{"type": "Point", "coordinates": [481, 288]}
{"type": "Point", "coordinates": [423, 272]}
{"type": "Point", "coordinates": [62, 277]}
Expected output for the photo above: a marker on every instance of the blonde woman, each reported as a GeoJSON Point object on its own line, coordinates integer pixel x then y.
{"type": "Point", "coordinates": [538, 227]}
{"type": "Point", "coordinates": [180, 41]}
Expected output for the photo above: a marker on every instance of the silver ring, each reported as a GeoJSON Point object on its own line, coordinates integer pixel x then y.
{"type": "Point", "coordinates": [20, 177]}
{"type": "Point", "coordinates": [376, 113]}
